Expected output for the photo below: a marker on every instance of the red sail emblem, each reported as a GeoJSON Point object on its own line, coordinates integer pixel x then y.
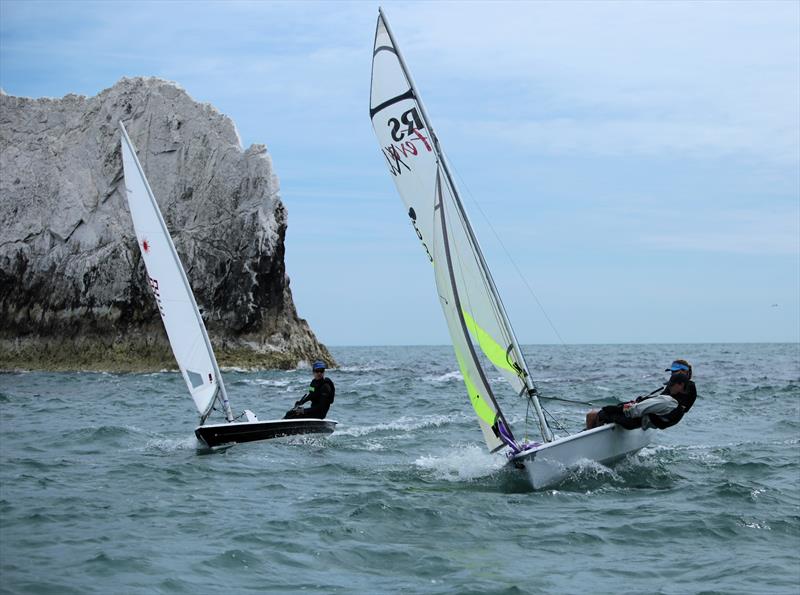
{"type": "Point", "coordinates": [145, 245]}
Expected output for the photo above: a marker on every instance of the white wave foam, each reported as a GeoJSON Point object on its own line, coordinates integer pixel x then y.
{"type": "Point", "coordinates": [374, 446]}
{"type": "Point", "coordinates": [268, 382]}
{"type": "Point", "coordinates": [403, 424]}
{"type": "Point", "coordinates": [367, 368]}
{"type": "Point", "coordinates": [755, 525]}
{"type": "Point", "coordinates": [448, 377]}
{"type": "Point", "coordinates": [587, 468]}
{"type": "Point", "coordinates": [172, 444]}
{"type": "Point", "coordinates": [462, 463]}
{"type": "Point", "coordinates": [647, 458]}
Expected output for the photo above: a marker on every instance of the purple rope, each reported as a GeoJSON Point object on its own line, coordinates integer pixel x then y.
{"type": "Point", "coordinates": [506, 437]}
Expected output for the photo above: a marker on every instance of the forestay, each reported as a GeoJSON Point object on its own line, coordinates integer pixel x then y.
{"type": "Point", "coordinates": [475, 315]}
{"type": "Point", "coordinates": [182, 321]}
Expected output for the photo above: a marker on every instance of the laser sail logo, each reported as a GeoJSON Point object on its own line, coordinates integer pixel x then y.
{"type": "Point", "coordinates": [410, 141]}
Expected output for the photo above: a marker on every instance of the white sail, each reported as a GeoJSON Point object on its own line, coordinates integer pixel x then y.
{"type": "Point", "coordinates": [476, 319]}
{"type": "Point", "coordinates": [405, 140]}
{"type": "Point", "coordinates": [182, 321]}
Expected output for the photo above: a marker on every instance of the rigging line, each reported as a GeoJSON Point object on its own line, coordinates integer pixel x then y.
{"type": "Point", "coordinates": [539, 395]}
{"type": "Point", "coordinates": [493, 304]}
{"type": "Point", "coordinates": [460, 260]}
{"type": "Point", "coordinates": [457, 299]}
{"type": "Point", "coordinates": [521, 276]}
{"type": "Point", "coordinates": [555, 421]}
{"type": "Point", "coordinates": [511, 259]}
{"type": "Point", "coordinates": [574, 401]}
{"type": "Point", "coordinates": [482, 274]}
{"type": "Point", "coordinates": [467, 292]}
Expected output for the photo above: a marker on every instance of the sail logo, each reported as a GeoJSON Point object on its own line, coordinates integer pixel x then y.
{"type": "Point", "coordinates": [410, 119]}
{"type": "Point", "coordinates": [409, 139]}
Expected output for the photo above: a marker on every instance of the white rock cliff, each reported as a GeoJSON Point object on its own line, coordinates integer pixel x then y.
{"type": "Point", "coordinates": [72, 284]}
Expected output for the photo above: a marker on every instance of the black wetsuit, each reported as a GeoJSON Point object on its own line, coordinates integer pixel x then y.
{"type": "Point", "coordinates": [320, 393]}
{"type": "Point", "coordinates": [615, 414]}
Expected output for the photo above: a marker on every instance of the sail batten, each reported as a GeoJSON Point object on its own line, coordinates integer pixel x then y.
{"type": "Point", "coordinates": [470, 302]}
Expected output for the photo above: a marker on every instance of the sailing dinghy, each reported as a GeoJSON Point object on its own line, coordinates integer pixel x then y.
{"type": "Point", "coordinates": [184, 324]}
{"type": "Point", "coordinates": [479, 328]}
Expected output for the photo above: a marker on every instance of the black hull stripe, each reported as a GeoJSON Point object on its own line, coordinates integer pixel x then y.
{"type": "Point", "coordinates": [239, 433]}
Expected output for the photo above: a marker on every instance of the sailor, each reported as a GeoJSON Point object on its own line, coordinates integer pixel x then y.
{"type": "Point", "coordinates": [660, 409]}
{"type": "Point", "coordinates": [320, 392]}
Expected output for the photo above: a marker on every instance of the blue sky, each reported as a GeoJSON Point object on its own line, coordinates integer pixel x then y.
{"type": "Point", "coordinates": [639, 162]}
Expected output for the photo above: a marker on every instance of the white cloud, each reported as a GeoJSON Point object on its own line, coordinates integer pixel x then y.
{"type": "Point", "coordinates": [717, 77]}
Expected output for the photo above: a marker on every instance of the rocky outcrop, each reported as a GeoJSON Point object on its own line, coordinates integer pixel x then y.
{"type": "Point", "coordinates": [73, 291]}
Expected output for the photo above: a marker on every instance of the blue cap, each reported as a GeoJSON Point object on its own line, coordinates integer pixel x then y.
{"type": "Point", "coordinates": [318, 365]}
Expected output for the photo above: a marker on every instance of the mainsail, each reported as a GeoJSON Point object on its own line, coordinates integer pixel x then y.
{"type": "Point", "coordinates": [182, 321]}
{"type": "Point", "coordinates": [476, 318]}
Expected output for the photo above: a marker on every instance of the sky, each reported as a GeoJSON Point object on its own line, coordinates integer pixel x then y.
{"type": "Point", "coordinates": [632, 169]}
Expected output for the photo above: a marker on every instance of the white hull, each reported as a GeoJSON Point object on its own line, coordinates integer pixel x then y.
{"type": "Point", "coordinates": [549, 463]}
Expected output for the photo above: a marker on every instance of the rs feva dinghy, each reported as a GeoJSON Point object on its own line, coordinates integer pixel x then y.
{"type": "Point", "coordinates": [184, 325]}
{"type": "Point", "coordinates": [479, 328]}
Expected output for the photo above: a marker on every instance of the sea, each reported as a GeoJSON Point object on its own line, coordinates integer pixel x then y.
{"type": "Point", "coordinates": [103, 488]}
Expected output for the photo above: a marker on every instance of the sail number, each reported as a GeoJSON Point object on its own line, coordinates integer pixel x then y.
{"type": "Point", "coordinates": [413, 214]}
{"type": "Point", "coordinates": [156, 293]}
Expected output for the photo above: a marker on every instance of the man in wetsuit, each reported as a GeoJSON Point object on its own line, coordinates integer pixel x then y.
{"type": "Point", "coordinates": [320, 393]}
{"type": "Point", "coordinates": [660, 409]}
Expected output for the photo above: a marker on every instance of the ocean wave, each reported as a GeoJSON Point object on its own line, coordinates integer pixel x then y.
{"type": "Point", "coordinates": [403, 424]}
{"type": "Point", "coordinates": [364, 369]}
{"type": "Point", "coordinates": [265, 382]}
{"type": "Point", "coordinates": [101, 433]}
{"type": "Point", "coordinates": [454, 376]}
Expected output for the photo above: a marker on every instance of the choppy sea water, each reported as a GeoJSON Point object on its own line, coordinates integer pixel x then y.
{"type": "Point", "coordinates": [103, 490]}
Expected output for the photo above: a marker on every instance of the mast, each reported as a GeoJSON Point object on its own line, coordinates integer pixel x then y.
{"type": "Point", "coordinates": [442, 161]}
{"type": "Point", "coordinates": [221, 394]}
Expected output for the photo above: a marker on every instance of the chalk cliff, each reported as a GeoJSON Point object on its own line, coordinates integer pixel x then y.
{"type": "Point", "coordinates": [73, 291]}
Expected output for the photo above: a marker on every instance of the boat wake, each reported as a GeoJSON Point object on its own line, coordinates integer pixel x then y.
{"type": "Point", "coordinates": [167, 445]}
{"type": "Point", "coordinates": [461, 463]}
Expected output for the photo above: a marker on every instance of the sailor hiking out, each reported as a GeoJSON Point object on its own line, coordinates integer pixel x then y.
{"type": "Point", "coordinates": [660, 409]}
